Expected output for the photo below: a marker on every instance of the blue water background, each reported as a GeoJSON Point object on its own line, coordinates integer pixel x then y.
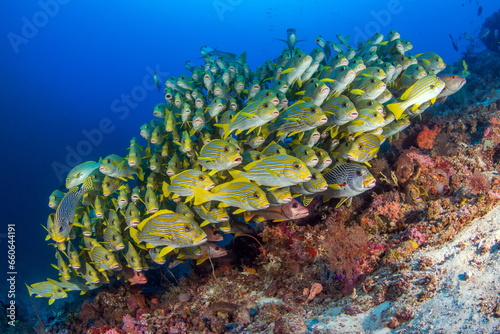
{"type": "Point", "coordinates": [75, 67]}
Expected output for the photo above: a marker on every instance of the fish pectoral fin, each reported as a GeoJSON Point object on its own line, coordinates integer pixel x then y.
{"type": "Point", "coordinates": [237, 211]}
{"type": "Point", "coordinates": [337, 186]}
{"type": "Point", "coordinates": [165, 250]}
{"type": "Point", "coordinates": [288, 70]}
{"type": "Point", "coordinates": [341, 202]}
{"type": "Point", "coordinates": [204, 223]}
{"type": "Point", "coordinates": [223, 205]}
{"type": "Point", "coordinates": [357, 91]}
{"type": "Point", "coordinates": [247, 216]}
{"type": "Point", "coordinates": [161, 235]}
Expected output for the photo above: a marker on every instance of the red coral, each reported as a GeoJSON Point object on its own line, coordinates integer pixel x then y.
{"type": "Point", "coordinates": [105, 330]}
{"type": "Point", "coordinates": [479, 183]}
{"type": "Point", "coordinates": [415, 235]}
{"type": "Point", "coordinates": [426, 137]}
{"type": "Point", "coordinates": [347, 253]}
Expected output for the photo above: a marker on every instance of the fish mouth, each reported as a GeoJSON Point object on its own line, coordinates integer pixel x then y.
{"type": "Point", "coordinates": [353, 114]}
{"type": "Point", "coordinates": [238, 160]}
{"type": "Point", "coordinates": [327, 161]}
{"type": "Point", "coordinates": [202, 240]}
{"type": "Point", "coordinates": [323, 188]}
{"type": "Point", "coordinates": [223, 219]}
{"type": "Point", "coordinates": [275, 102]}
{"type": "Point", "coordinates": [323, 120]}
{"type": "Point", "coordinates": [152, 167]}
{"type": "Point", "coordinates": [307, 178]}
{"type": "Point", "coordinates": [120, 247]}
{"type": "Point", "coordinates": [286, 200]}
{"type": "Point", "coordinates": [302, 214]}
{"type": "Point", "coordinates": [87, 234]}
{"type": "Point", "coordinates": [210, 186]}
{"type": "Point", "coordinates": [325, 90]}
{"type": "Point", "coordinates": [170, 173]}
{"type": "Point", "coordinates": [265, 206]}
{"type": "Point", "coordinates": [103, 169]}
{"type": "Point", "coordinates": [134, 224]}
{"type": "Point", "coordinates": [369, 183]}
{"type": "Point", "coordinates": [351, 157]}
{"type": "Point", "coordinates": [132, 163]}
{"type": "Point", "coordinates": [344, 62]}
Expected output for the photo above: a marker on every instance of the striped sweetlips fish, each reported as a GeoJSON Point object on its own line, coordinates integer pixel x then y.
{"type": "Point", "coordinates": [347, 180]}
{"type": "Point", "coordinates": [280, 170]}
{"type": "Point", "coordinates": [63, 220]}
{"type": "Point", "coordinates": [167, 228]}
{"type": "Point", "coordinates": [243, 195]}
{"type": "Point", "coordinates": [219, 154]}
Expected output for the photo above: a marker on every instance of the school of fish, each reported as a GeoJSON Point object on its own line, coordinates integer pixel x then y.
{"type": "Point", "coordinates": [228, 146]}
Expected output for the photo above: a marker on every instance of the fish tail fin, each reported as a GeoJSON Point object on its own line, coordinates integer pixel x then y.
{"type": "Point", "coordinates": [30, 291]}
{"type": "Point", "coordinates": [133, 235]}
{"type": "Point", "coordinates": [165, 190]}
{"type": "Point", "coordinates": [88, 184]}
{"type": "Point", "coordinates": [397, 109]}
{"type": "Point", "coordinates": [200, 196]}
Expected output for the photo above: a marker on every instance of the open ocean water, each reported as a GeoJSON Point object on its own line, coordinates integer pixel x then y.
{"type": "Point", "coordinates": [76, 83]}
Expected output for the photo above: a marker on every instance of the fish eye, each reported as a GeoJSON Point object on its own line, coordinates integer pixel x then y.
{"type": "Point", "coordinates": [432, 86]}
{"type": "Point", "coordinates": [437, 59]}
{"type": "Point", "coordinates": [256, 195]}
{"type": "Point", "coordinates": [312, 109]}
{"type": "Point", "coordinates": [266, 105]}
{"type": "Point", "coordinates": [344, 104]}
{"type": "Point", "coordinates": [313, 177]}
{"type": "Point", "coordinates": [187, 228]}
{"type": "Point", "coordinates": [305, 151]}
{"type": "Point", "coordinates": [370, 103]}
{"type": "Point", "coordinates": [201, 178]}
{"type": "Point", "coordinates": [360, 146]}
{"type": "Point", "coordinates": [268, 93]}
{"type": "Point", "coordinates": [108, 161]}
{"type": "Point", "coordinates": [374, 114]}
{"type": "Point", "coordinates": [300, 56]}
{"type": "Point", "coordinates": [316, 85]}
{"type": "Point", "coordinates": [372, 80]}
{"type": "Point", "coordinates": [343, 68]}
{"type": "Point", "coordinates": [226, 149]}
{"type": "Point", "coordinates": [60, 229]}
{"type": "Point", "coordinates": [296, 166]}
{"type": "Point", "coordinates": [295, 205]}
{"type": "Point", "coordinates": [359, 173]}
